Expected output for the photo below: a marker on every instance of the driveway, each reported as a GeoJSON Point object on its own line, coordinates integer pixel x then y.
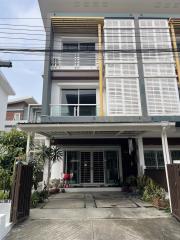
{"type": "Point", "coordinates": [97, 216]}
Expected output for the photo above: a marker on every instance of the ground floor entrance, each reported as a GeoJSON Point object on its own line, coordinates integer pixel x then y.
{"type": "Point", "coordinates": [93, 166]}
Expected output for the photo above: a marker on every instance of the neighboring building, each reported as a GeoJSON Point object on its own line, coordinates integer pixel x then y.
{"type": "Point", "coordinates": [110, 94]}
{"type": "Point", "coordinates": [17, 111]}
{"type": "Point", "coordinates": [5, 91]}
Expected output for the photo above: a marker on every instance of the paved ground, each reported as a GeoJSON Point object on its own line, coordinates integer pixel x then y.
{"type": "Point", "coordinates": [97, 216]}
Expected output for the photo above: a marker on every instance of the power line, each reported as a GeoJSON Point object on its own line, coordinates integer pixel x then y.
{"type": "Point", "coordinates": [33, 39]}
{"type": "Point", "coordinates": [23, 29]}
{"type": "Point", "coordinates": [90, 51]}
{"type": "Point", "coordinates": [22, 25]}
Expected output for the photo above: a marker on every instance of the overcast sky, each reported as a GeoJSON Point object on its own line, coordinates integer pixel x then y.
{"type": "Point", "coordinates": [26, 76]}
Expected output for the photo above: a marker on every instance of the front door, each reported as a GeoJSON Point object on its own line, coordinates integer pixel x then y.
{"type": "Point", "coordinates": [92, 167]}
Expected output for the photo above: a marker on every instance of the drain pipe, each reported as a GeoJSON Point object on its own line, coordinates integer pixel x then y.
{"type": "Point", "coordinates": [166, 155]}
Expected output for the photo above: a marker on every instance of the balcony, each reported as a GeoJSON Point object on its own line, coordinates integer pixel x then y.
{"type": "Point", "coordinates": [75, 61]}
{"type": "Point", "coordinates": [73, 110]}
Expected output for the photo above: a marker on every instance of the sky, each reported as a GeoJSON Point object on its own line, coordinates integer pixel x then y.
{"type": "Point", "coordinates": [25, 76]}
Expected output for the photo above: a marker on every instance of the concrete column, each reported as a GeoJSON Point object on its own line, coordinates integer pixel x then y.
{"type": "Point", "coordinates": [57, 170]}
{"type": "Point", "coordinates": [140, 69]}
{"type": "Point", "coordinates": [167, 160]}
{"type": "Point", "coordinates": [45, 171]}
{"type": "Point", "coordinates": [46, 98]}
{"type": "Point", "coordinates": [141, 162]}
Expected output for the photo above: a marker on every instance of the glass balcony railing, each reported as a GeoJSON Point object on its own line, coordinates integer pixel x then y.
{"type": "Point", "coordinates": [73, 110]}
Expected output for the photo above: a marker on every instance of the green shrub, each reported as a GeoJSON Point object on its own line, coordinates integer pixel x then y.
{"type": "Point", "coordinates": [42, 196]}
{"type": "Point", "coordinates": [4, 195]}
{"type": "Point", "coordinates": [142, 182]}
{"type": "Point", "coordinates": [35, 198]}
{"type": "Point", "coordinates": [152, 191]}
{"type": "Point", "coordinates": [38, 197]}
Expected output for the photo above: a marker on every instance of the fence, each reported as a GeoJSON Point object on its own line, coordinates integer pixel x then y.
{"type": "Point", "coordinates": [174, 182]}
{"type": "Point", "coordinates": [21, 192]}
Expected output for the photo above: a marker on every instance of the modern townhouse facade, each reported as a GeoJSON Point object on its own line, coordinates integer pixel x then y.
{"type": "Point", "coordinates": [111, 89]}
{"type": "Point", "coordinates": [5, 91]}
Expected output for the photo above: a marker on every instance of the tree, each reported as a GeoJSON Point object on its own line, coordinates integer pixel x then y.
{"type": "Point", "coordinates": [47, 154]}
{"type": "Point", "coordinates": [12, 146]}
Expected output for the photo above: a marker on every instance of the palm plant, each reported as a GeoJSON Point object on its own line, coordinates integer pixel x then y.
{"type": "Point", "coordinates": [44, 154]}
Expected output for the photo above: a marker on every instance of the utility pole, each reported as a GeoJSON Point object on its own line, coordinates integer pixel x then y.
{"type": "Point", "coordinates": [7, 64]}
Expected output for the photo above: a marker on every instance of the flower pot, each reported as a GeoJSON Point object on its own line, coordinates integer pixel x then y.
{"type": "Point", "coordinates": [160, 203]}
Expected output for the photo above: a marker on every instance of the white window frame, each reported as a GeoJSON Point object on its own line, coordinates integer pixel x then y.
{"type": "Point", "coordinates": [17, 117]}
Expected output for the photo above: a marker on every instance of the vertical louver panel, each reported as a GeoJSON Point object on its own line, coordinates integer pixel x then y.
{"type": "Point", "coordinates": [123, 96]}
{"type": "Point", "coordinates": [159, 68]}
{"type": "Point", "coordinates": [162, 96]}
{"type": "Point", "coordinates": [121, 70]}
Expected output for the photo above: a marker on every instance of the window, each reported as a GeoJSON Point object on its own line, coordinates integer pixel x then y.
{"type": "Point", "coordinates": [154, 159]}
{"type": "Point", "coordinates": [175, 156]}
{"type": "Point", "coordinates": [17, 116]}
{"type": "Point", "coordinates": [78, 102]}
{"type": "Point", "coordinates": [75, 54]}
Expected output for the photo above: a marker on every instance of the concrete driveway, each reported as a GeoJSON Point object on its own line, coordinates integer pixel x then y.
{"type": "Point", "coordinates": [97, 216]}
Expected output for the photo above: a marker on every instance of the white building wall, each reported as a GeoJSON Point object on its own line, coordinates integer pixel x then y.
{"type": "Point", "coordinates": [3, 107]}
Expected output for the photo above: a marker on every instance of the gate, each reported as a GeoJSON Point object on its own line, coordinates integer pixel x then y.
{"type": "Point", "coordinates": [21, 193]}
{"type": "Point", "coordinates": [174, 182]}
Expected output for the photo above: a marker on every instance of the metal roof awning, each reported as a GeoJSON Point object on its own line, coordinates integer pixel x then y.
{"type": "Point", "coordinates": [66, 130]}
{"type": "Point", "coordinates": [77, 24]}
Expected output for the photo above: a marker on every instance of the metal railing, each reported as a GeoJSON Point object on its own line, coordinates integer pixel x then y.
{"type": "Point", "coordinates": [73, 110]}
{"type": "Point", "coordinates": [70, 60]}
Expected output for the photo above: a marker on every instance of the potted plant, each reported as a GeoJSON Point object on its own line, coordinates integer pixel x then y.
{"type": "Point", "coordinates": [159, 199]}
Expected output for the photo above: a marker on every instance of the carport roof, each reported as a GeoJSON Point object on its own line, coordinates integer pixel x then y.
{"type": "Point", "coordinates": [68, 130]}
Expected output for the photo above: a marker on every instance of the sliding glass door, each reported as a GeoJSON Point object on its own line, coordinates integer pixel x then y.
{"type": "Point", "coordinates": [93, 167]}
{"type": "Point", "coordinates": [78, 102]}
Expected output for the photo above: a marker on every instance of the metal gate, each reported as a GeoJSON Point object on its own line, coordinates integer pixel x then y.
{"type": "Point", "coordinates": [174, 182]}
{"type": "Point", "coordinates": [21, 193]}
